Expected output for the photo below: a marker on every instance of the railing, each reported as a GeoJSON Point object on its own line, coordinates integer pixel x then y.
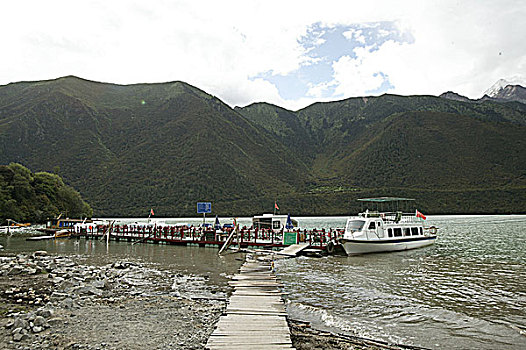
{"type": "Point", "coordinates": [245, 236]}
{"type": "Point", "coordinates": [397, 216]}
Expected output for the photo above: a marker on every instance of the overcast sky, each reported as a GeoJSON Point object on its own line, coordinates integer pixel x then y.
{"type": "Point", "coordinates": [290, 53]}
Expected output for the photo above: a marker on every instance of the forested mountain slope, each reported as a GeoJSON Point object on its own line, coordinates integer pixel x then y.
{"type": "Point", "coordinates": [167, 146]}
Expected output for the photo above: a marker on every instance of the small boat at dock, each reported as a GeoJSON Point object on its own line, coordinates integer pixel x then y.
{"type": "Point", "coordinates": [15, 227]}
{"type": "Point", "coordinates": [374, 231]}
{"type": "Point", "coordinates": [274, 222]}
{"type": "Point", "coordinates": [60, 224]}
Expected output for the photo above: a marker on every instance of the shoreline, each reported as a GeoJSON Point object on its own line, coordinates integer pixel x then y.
{"type": "Point", "coordinates": [56, 302]}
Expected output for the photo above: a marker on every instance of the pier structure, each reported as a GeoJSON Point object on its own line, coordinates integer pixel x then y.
{"type": "Point", "coordinates": [255, 317]}
{"type": "Point", "coordinates": [183, 235]}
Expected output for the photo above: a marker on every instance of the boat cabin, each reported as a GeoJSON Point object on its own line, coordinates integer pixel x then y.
{"type": "Point", "coordinates": [377, 228]}
{"type": "Point", "coordinates": [272, 221]}
{"type": "Point", "coordinates": [59, 223]}
{"type": "Point", "coordinates": [378, 225]}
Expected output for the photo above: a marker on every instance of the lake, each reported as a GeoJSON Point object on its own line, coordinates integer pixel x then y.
{"type": "Point", "coordinates": [468, 291]}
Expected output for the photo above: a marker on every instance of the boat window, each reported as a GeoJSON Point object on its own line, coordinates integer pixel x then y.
{"type": "Point", "coordinates": [276, 224]}
{"type": "Point", "coordinates": [398, 232]}
{"type": "Point", "coordinates": [372, 226]}
{"type": "Point", "coordinates": [414, 231]}
{"type": "Point", "coordinates": [262, 223]}
{"type": "Point", "coordinates": [355, 225]}
{"type": "Point", "coordinates": [407, 232]}
{"type": "Point", "coordinates": [390, 232]}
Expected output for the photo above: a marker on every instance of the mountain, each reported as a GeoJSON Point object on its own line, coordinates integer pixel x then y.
{"type": "Point", "coordinates": [502, 91]}
{"type": "Point", "coordinates": [449, 154]}
{"type": "Point", "coordinates": [511, 93]}
{"type": "Point", "coordinates": [507, 90]}
{"type": "Point", "coordinates": [500, 84]}
{"type": "Point", "coordinates": [450, 95]}
{"type": "Point", "coordinates": [128, 148]}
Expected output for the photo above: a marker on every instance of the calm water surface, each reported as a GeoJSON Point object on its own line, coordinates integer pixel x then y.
{"type": "Point", "coordinates": [468, 291]}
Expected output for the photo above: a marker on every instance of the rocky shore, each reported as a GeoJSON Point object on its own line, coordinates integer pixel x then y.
{"type": "Point", "coordinates": [53, 302]}
{"type": "Point", "coordinates": [57, 302]}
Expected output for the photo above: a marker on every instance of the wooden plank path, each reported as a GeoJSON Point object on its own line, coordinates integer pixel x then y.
{"type": "Point", "coordinates": [255, 317]}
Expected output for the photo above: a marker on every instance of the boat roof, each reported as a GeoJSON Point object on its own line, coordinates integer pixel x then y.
{"type": "Point", "coordinates": [269, 215]}
{"type": "Point", "coordinates": [384, 199]}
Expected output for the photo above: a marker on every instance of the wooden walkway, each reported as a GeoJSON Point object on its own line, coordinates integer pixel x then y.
{"type": "Point", "coordinates": [255, 317]}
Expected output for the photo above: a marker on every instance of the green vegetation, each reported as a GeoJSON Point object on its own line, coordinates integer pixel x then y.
{"type": "Point", "coordinates": [25, 196]}
{"type": "Point", "coordinates": [181, 146]}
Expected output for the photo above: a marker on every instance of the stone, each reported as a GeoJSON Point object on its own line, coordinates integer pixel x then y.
{"type": "Point", "coordinates": [40, 253]}
{"type": "Point", "coordinates": [67, 303]}
{"type": "Point", "coordinates": [58, 295]}
{"type": "Point", "coordinates": [39, 321]}
{"type": "Point", "coordinates": [55, 320]}
{"type": "Point", "coordinates": [15, 270]}
{"type": "Point", "coordinates": [20, 323]}
{"type": "Point", "coordinates": [101, 284]}
{"type": "Point", "coordinates": [30, 271]}
{"type": "Point", "coordinates": [19, 336]}
{"type": "Point", "coordinates": [37, 329]}
{"type": "Point", "coordinates": [58, 280]}
{"type": "Point", "coordinates": [46, 313]}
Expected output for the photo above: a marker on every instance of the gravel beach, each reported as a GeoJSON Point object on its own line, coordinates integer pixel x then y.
{"type": "Point", "coordinates": [58, 302]}
{"type": "Point", "coordinates": [53, 302]}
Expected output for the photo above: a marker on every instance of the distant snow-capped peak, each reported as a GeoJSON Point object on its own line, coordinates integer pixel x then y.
{"type": "Point", "coordinates": [502, 83]}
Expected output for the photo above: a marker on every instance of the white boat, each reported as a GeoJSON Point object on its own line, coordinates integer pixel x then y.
{"type": "Point", "coordinates": [375, 231]}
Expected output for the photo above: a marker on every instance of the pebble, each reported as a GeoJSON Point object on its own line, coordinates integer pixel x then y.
{"type": "Point", "coordinates": [116, 284]}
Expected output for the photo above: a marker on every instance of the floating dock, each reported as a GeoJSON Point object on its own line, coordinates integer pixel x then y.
{"type": "Point", "coordinates": [245, 237]}
{"type": "Point", "coordinates": [255, 317]}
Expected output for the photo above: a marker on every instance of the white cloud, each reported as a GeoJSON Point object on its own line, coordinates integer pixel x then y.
{"type": "Point", "coordinates": [449, 52]}
{"type": "Point", "coordinates": [220, 46]}
{"type": "Point", "coordinates": [355, 34]}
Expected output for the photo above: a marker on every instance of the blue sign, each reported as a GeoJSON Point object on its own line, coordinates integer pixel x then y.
{"type": "Point", "coordinates": [204, 207]}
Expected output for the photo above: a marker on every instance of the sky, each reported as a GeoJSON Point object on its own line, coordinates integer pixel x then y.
{"type": "Point", "coordinates": [290, 53]}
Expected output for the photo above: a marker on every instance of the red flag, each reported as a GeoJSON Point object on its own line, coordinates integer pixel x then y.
{"type": "Point", "coordinates": [151, 211]}
{"type": "Point", "coordinates": [276, 205]}
{"type": "Point", "coordinates": [420, 215]}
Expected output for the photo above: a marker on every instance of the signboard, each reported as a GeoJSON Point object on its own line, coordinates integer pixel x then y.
{"type": "Point", "coordinates": [204, 207]}
{"type": "Point", "coordinates": [290, 238]}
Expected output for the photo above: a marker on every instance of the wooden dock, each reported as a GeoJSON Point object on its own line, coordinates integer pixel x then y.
{"type": "Point", "coordinates": [255, 317]}
{"type": "Point", "coordinates": [185, 235]}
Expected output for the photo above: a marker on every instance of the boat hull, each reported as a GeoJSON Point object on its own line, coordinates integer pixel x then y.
{"type": "Point", "coordinates": [355, 247]}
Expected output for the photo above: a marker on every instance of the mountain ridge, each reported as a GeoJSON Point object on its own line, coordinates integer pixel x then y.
{"type": "Point", "coordinates": [127, 148]}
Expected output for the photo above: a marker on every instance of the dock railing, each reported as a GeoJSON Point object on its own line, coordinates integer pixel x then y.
{"type": "Point", "coordinates": [246, 236]}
